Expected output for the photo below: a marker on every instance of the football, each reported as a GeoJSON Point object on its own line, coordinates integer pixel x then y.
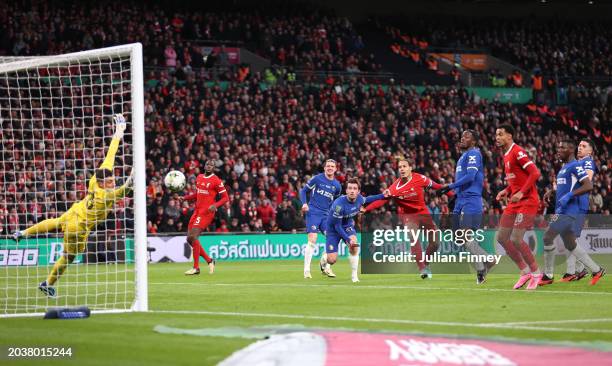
{"type": "Point", "coordinates": [175, 181]}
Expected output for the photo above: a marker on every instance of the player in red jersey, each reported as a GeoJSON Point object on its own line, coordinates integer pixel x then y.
{"type": "Point", "coordinates": [522, 208]}
{"type": "Point", "coordinates": [208, 186]}
{"type": "Point", "coordinates": [408, 191]}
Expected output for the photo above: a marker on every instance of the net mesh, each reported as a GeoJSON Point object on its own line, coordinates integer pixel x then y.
{"type": "Point", "coordinates": [57, 125]}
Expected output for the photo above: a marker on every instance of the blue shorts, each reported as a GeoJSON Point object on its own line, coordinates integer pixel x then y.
{"type": "Point", "coordinates": [467, 214]}
{"type": "Point", "coordinates": [332, 239]}
{"type": "Point", "coordinates": [568, 223]}
{"type": "Point", "coordinates": [316, 221]}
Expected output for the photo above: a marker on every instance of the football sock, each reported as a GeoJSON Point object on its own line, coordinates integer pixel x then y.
{"type": "Point", "coordinates": [202, 251]}
{"type": "Point", "coordinates": [528, 257]}
{"type": "Point", "coordinates": [58, 269]}
{"type": "Point", "coordinates": [431, 249]}
{"type": "Point", "coordinates": [549, 259]}
{"type": "Point", "coordinates": [354, 260]}
{"type": "Point", "coordinates": [308, 252]}
{"type": "Point", "coordinates": [579, 267]}
{"type": "Point", "coordinates": [417, 251]}
{"type": "Point", "coordinates": [196, 256]}
{"type": "Point", "coordinates": [583, 257]}
{"type": "Point", "coordinates": [474, 248]}
{"type": "Point", "coordinates": [514, 254]}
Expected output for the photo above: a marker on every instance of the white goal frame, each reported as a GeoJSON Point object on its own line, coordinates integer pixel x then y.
{"type": "Point", "coordinates": [134, 51]}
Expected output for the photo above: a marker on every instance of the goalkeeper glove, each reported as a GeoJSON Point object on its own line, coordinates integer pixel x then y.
{"type": "Point", "coordinates": [120, 125]}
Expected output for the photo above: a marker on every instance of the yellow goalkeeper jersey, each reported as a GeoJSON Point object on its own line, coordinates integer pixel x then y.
{"type": "Point", "coordinates": [95, 207]}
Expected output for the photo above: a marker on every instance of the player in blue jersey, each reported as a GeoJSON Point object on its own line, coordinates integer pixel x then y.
{"type": "Point", "coordinates": [586, 149]}
{"type": "Point", "coordinates": [340, 225]}
{"type": "Point", "coordinates": [572, 182]}
{"type": "Point", "coordinates": [323, 189]}
{"type": "Point", "coordinates": [469, 178]}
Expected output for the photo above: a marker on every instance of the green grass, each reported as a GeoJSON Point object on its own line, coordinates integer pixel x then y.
{"type": "Point", "coordinates": [260, 291]}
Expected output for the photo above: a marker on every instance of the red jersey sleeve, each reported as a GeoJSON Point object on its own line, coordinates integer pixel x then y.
{"type": "Point", "coordinates": [220, 187]}
{"type": "Point", "coordinates": [425, 182]}
{"type": "Point", "coordinates": [523, 160]}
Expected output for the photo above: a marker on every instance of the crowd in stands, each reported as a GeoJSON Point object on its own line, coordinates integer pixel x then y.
{"type": "Point", "coordinates": [291, 34]}
{"type": "Point", "coordinates": [553, 47]}
{"type": "Point", "coordinates": [268, 142]}
{"type": "Point", "coordinates": [267, 138]}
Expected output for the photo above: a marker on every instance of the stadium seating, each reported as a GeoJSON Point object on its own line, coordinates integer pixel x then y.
{"type": "Point", "coordinates": [268, 139]}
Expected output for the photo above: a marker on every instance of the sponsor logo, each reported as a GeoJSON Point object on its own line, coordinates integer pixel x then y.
{"type": "Point", "coordinates": [203, 191]}
{"type": "Point", "coordinates": [325, 193]}
{"type": "Point", "coordinates": [19, 257]}
{"type": "Point", "coordinates": [561, 181]}
{"type": "Point", "coordinates": [596, 242]}
{"type": "Point", "coordinates": [416, 350]}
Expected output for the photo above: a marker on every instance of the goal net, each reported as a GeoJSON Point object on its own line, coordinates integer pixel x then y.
{"type": "Point", "coordinates": [56, 118]}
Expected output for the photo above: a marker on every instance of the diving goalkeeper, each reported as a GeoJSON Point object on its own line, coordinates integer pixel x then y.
{"type": "Point", "coordinates": [83, 216]}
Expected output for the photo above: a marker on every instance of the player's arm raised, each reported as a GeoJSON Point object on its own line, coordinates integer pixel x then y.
{"type": "Point", "coordinates": [377, 203]}
{"type": "Point", "coordinates": [442, 188]}
{"type": "Point", "coordinates": [120, 125]}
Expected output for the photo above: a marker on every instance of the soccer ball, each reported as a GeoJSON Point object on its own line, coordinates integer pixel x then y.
{"type": "Point", "coordinates": [175, 181]}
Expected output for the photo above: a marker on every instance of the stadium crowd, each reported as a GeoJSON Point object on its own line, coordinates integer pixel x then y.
{"type": "Point", "coordinates": [552, 46]}
{"type": "Point", "coordinates": [268, 139]}
{"type": "Point", "coordinates": [294, 34]}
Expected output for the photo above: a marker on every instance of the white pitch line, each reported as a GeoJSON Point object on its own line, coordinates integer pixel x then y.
{"type": "Point", "coordinates": [565, 321]}
{"type": "Point", "coordinates": [380, 320]}
{"type": "Point", "coordinates": [379, 287]}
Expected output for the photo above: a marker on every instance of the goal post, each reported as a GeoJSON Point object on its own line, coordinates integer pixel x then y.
{"type": "Point", "coordinates": [56, 118]}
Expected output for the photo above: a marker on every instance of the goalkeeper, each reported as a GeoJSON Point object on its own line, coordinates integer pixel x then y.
{"type": "Point", "coordinates": [83, 216]}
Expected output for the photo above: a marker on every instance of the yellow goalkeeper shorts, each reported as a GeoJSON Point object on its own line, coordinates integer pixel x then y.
{"type": "Point", "coordinates": [75, 231]}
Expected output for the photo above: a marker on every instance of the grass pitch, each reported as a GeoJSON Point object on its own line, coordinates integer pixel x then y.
{"type": "Point", "coordinates": [273, 293]}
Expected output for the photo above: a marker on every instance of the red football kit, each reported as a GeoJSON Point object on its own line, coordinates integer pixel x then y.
{"type": "Point", "coordinates": [409, 196]}
{"type": "Point", "coordinates": [521, 176]}
{"type": "Point", "coordinates": [410, 199]}
{"type": "Point", "coordinates": [207, 189]}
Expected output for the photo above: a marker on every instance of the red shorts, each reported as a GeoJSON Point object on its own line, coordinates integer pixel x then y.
{"type": "Point", "coordinates": [520, 215]}
{"type": "Point", "coordinates": [418, 219]}
{"type": "Point", "coordinates": [201, 220]}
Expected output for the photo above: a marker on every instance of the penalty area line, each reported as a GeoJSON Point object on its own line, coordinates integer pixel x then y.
{"type": "Point", "coordinates": [377, 320]}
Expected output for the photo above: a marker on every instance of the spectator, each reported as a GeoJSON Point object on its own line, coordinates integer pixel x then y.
{"type": "Point", "coordinates": [285, 216]}
{"type": "Point", "coordinates": [266, 213]}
